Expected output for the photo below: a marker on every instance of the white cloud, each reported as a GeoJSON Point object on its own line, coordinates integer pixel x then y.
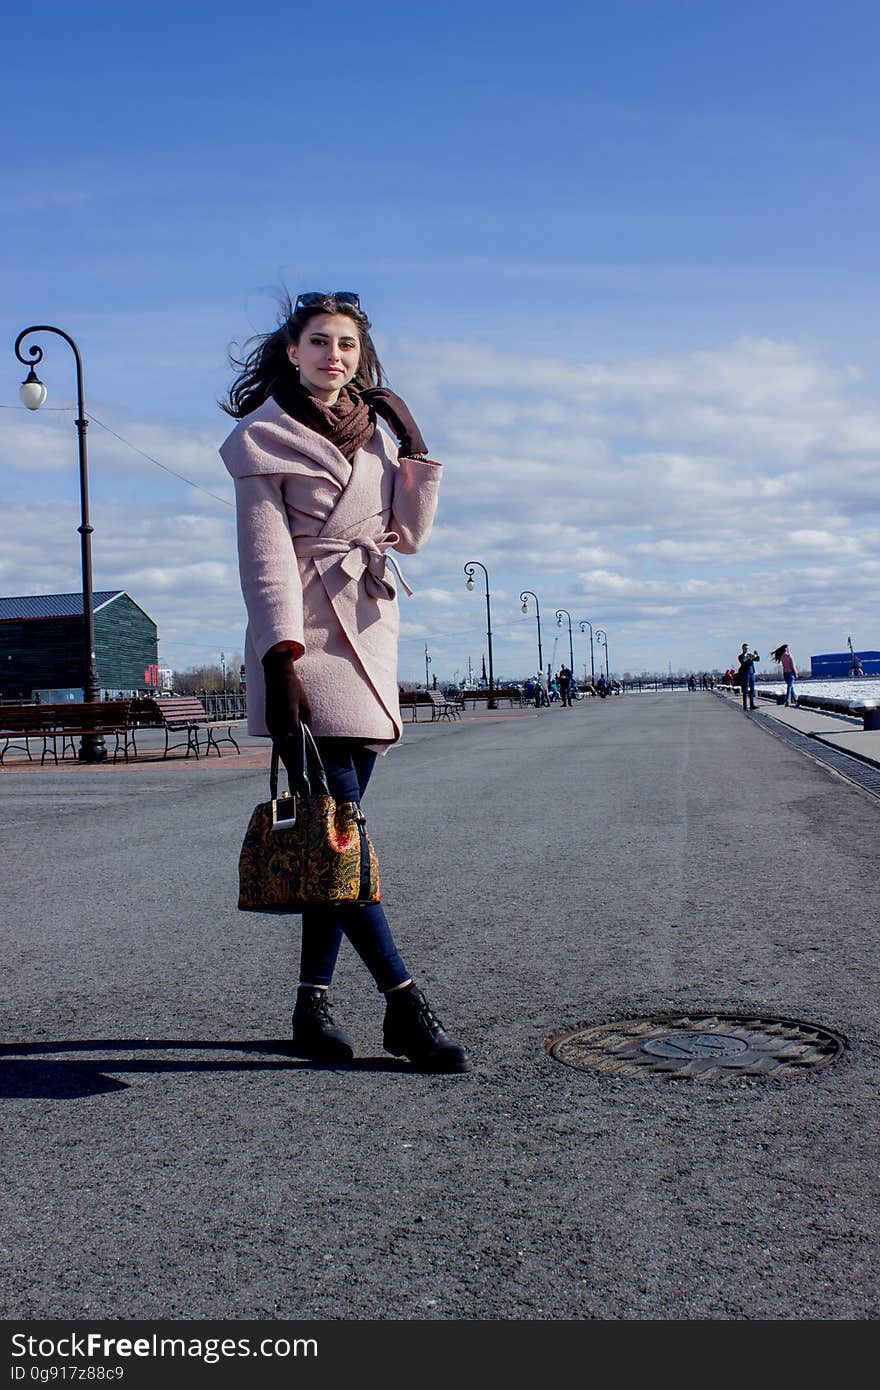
{"type": "Point", "coordinates": [38, 446]}
{"type": "Point", "coordinates": [180, 568]}
{"type": "Point", "coordinates": [687, 495]}
{"type": "Point", "coordinates": [47, 442]}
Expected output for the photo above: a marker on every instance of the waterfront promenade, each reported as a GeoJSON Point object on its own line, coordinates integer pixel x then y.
{"type": "Point", "coordinates": [164, 1157]}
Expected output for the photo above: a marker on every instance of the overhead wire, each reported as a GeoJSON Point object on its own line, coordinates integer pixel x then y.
{"type": "Point", "coordinates": [225, 500]}
{"type": "Point", "coordinates": [94, 419]}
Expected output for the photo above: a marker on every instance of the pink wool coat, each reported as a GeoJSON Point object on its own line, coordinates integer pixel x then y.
{"type": "Point", "coordinates": [313, 532]}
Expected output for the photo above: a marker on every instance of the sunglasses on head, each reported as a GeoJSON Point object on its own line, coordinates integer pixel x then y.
{"type": "Point", "coordinates": [305, 301]}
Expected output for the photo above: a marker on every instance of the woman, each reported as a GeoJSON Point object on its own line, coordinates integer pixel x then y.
{"type": "Point", "coordinates": [322, 494]}
{"type": "Point", "coordinates": [789, 671]}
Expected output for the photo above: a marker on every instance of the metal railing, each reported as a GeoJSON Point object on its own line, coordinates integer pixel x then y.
{"type": "Point", "coordinates": [670, 683]}
{"type": "Point", "coordinates": [224, 707]}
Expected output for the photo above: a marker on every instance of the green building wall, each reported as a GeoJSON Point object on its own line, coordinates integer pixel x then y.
{"type": "Point", "coordinates": [48, 653]}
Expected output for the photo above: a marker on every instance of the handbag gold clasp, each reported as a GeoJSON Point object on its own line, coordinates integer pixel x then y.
{"type": "Point", "coordinates": [284, 817]}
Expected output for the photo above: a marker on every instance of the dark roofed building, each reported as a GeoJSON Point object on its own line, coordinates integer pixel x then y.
{"type": "Point", "coordinates": [42, 645]}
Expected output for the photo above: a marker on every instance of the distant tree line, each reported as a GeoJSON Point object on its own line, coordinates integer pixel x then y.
{"type": "Point", "coordinates": [209, 678]}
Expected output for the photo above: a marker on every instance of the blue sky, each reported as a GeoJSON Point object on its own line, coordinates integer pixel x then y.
{"type": "Point", "coordinates": [620, 260]}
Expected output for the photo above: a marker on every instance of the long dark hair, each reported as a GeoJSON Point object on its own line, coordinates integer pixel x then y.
{"type": "Point", "coordinates": [777, 654]}
{"type": "Point", "coordinates": [267, 364]}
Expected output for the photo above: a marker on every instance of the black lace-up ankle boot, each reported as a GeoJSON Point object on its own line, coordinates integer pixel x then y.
{"type": "Point", "coordinates": [315, 1035]}
{"type": "Point", "coordinates": [413, 1030]}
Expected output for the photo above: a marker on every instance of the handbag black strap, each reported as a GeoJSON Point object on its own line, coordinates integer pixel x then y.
{"type": "Point", "coordinates": [304, 751]}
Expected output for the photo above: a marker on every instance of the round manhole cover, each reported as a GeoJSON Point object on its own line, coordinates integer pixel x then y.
{"type": "Point", "coordinates": [717, 1046]}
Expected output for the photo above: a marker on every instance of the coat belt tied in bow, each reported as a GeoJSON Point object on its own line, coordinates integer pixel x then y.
{"type": "Point", "coordinates": [362, 555]}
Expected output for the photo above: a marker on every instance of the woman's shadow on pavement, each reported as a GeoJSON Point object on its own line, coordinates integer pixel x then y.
{"type": "Point", "coordinates": [28, 1071]}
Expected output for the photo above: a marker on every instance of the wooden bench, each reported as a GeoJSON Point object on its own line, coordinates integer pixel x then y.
{"type": "Point", "coordinates": [101, 717]}
{"type": "Point", "coordinates": [410, 700]}
{"type": "Point", "coordinates": [66, 722]}
{"type": "Point", "coordinates": [441, 708]}
{"type": "Point", "coordinates": [185, 714]}
{"type": "Point", "coordinates": [434, 700]}
{"type": "Point", "coordinates": [512, 694]}
{"type": "Point", "coordinates": [20, 723]}
{"type": "Point", "coordinates": [117, 718]}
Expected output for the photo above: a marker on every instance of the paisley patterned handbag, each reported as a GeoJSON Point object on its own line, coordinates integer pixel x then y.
{"type": "Point", "coordinates": [304, 849]}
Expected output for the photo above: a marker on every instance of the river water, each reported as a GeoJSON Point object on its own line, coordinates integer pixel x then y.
{"type": "Point", "coordinates": [867, 688]}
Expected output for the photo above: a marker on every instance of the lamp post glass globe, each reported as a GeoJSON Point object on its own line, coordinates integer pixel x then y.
{"type": "Point", "coordinates": [32, 392]}
{"type": "Point", "coordinates": [470, 583]}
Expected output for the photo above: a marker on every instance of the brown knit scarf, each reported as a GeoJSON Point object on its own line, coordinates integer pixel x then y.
{"type": "Point", "coordinates": [349, 424]}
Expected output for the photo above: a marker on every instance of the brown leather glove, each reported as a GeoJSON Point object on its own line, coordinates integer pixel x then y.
{"type": "Point", "coordinates": [397, 413]}
{"type": "Point", "coordinates": [286, 704]}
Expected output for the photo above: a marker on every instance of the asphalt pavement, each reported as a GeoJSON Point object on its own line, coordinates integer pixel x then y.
{"type": "Point", "coordinates": [165, 1157]}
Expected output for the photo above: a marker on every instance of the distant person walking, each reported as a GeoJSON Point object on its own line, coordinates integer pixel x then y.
{"type": "Point", "coordinates": [745, 676]}
{"type": "Point", "coordinates": [789, 671]}
{"type": "Point", "coordinates": [564, 680]}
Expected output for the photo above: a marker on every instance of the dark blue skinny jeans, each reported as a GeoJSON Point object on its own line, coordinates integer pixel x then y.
{"type": "Point", "coordinates": [749, 690]}
{"type": "Point", "coordinates": [348, 764]}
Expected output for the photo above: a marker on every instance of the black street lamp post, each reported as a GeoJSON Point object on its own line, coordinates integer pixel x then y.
{"type": "Point", "coordinates": [559, 616]}
{"type": "Point", "coordinates": [602, 639]}
{"type": "Point", "coordinates": [427, 664]}
{"type": "Point", "coordinates": [92, 748]}
{"type": "Point", "coordinates": [524, 598]}
{"type": "Point", "coordinates": [585, 622]}
{"type": "Point", "coordinates": [469, 571]}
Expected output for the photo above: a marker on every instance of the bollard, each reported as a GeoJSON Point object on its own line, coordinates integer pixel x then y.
{"type": "Point", "coordinates": [871, 717]}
